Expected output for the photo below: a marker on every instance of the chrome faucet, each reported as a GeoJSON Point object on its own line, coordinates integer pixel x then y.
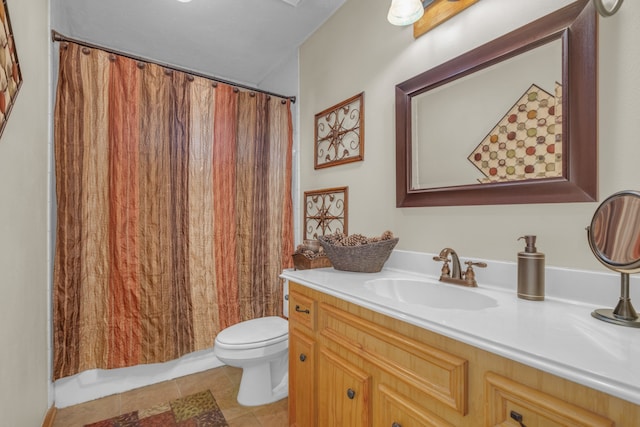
{"type": "Point", "coordinates": [455, 274]}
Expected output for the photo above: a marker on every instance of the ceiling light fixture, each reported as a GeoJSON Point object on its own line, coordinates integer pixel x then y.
{"type": "Point", "coordinates": [184, 1]}
{"type": "Point", "coordinates": [293, 3]}
{"type": "Point", "coordinates": [405, 12]}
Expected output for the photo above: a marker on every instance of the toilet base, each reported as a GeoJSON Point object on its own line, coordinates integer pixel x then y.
{"type": "Point", "coordinates": [256, 386]}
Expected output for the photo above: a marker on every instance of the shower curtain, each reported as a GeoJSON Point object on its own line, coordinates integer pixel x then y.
{"type": "Point", "coordinates": [174, 215]}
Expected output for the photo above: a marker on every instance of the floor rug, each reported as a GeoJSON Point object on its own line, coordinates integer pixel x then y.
{"type": "Point", "coordinates": [196, 410]}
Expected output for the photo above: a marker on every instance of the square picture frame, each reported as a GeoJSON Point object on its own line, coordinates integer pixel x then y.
{"type": "Point", "coordinates": [339, 133]}
{"type": "Point", "coordinates": [325, 212]}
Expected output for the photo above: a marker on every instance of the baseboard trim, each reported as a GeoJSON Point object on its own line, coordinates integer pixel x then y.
{"type": "Point", "coordinates": [50, 417]}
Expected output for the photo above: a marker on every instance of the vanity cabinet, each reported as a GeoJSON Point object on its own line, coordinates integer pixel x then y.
{"type": "Point", "coordinates": [362, 368]}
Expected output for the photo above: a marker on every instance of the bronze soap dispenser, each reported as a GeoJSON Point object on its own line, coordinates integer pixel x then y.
{"type": "Point", "coordinates": [530, 271]}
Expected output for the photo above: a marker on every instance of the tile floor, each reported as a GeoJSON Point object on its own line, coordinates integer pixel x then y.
{"type": "Point", "coordinates": [223, 383]}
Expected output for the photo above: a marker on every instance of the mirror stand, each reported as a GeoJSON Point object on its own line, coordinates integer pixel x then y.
{"type": "Point", "coordinates": [624, 314]}
{"type": "Point", "coordinates": [613, 236]}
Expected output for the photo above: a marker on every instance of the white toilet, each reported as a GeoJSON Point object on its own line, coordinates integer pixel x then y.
{"type": "Point", "coordinates": [261, 348]}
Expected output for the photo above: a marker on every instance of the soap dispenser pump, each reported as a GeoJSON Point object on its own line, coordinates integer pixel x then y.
{"type": "Point", "coordinates": [530, 271]}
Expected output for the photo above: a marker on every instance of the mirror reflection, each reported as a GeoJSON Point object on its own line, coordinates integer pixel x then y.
{"type": "Point", "coordinates": [503, 123]}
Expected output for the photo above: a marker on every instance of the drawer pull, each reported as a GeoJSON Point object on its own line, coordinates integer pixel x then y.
{"type": "Point", "coordinates": [395, 424]}
{"type": "Point", "coordinates": [299, 310]}
{"type": "Point", "coordinates": [303, 357]}
{"type": "Point", "coordinates": [518, 417]}
{"type": "Point", "coordinates": [351, 394]}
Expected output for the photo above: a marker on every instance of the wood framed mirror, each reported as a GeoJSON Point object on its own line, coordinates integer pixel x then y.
{"type": "Point", "coordinates": [571, 32]}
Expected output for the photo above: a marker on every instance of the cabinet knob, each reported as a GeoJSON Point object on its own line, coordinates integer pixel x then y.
{"type": "Point", "coordinates": [300, 310]}
{"type": "Point", "coordinates": [351, 393]}
{"type": "Point", "coordinates": [303, 357]}
{"type": "Point", "coordinates": [517, 417]}
{"type": "Point", "coordinates": [395, 424]}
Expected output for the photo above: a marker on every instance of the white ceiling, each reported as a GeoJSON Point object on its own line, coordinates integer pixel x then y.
{"type": "Point", "coordinates": [241, 41]}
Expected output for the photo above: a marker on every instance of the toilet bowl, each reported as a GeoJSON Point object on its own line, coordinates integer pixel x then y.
{"type": "Point", "coordinates": [261, 348]}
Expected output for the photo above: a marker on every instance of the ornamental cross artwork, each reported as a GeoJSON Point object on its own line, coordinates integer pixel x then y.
{"type": "Point", "coordinates": [325, 212]}
{"type": "Point", "coordinates": [339, 135]}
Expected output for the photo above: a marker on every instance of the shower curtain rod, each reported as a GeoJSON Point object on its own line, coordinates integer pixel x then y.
{"type": "Point", "coordinates": [57, 37]}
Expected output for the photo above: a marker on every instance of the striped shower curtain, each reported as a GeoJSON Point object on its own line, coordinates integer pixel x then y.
{"type": "Point", "coordinates": [174, 214]}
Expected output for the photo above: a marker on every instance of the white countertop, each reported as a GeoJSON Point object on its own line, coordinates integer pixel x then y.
{"type": "Point", "coordinates": [556, 335]}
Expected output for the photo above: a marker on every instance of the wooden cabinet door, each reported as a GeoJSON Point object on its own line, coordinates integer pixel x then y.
{"type": "Point", "coordinates": [302, 388]}
{"type": "Point", "coordinates": [344, 392]}
{"type": "Point", "coordinates": [395, 410]}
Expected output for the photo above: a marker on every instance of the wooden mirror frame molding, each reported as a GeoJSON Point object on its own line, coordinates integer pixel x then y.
{"type": "Point", "coordinates": [576, 26]}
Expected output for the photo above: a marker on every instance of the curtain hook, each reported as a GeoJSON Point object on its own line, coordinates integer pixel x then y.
{"type": "Point", "coordinates": [604, 11]}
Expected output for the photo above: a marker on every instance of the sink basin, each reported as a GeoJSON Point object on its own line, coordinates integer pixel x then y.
{"type": "Point", "coordinates": [430, 293]}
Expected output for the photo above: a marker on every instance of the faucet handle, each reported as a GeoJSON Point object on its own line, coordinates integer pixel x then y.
{"type": "Point", "coordinates": [477, 264]}
{"type": "Point", "coordinates": [445, 271]}
{"type": "Point", "coordinates": [470, 275]}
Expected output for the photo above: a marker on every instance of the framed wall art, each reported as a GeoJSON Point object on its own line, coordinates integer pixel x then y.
{"type": "Point", "coordinates": [325, 212]}
{"type": "Point", "coordinates": [10, 76]}
{"type": "Point", "coordinates": [339, 133]}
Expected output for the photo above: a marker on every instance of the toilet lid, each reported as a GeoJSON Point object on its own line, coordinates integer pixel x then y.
{"type": "Point", "coordinates": [255, 331]}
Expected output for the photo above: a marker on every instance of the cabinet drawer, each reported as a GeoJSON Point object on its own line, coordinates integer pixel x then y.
{"type": "Point", "coordinates": [507, 400]}
{"type": "Point", "coordinates": [429, 371]}
{"type": "Point", "coordinates": [302, 311]}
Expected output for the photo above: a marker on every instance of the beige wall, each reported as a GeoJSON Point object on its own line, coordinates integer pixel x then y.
{"type": "Point", "coordinates": [23, 226]}
{"type": "Point", "coordinates": [357, 50]}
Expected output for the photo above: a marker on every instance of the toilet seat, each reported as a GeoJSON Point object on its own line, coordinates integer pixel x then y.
{"type": "Point", "coordinates": [260, 332]}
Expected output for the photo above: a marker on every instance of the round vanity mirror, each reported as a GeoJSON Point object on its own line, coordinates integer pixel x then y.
{"type": "Point", "coordinates": [609, 9]}
{"type": "Point", "coordinates": [614, 238]}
